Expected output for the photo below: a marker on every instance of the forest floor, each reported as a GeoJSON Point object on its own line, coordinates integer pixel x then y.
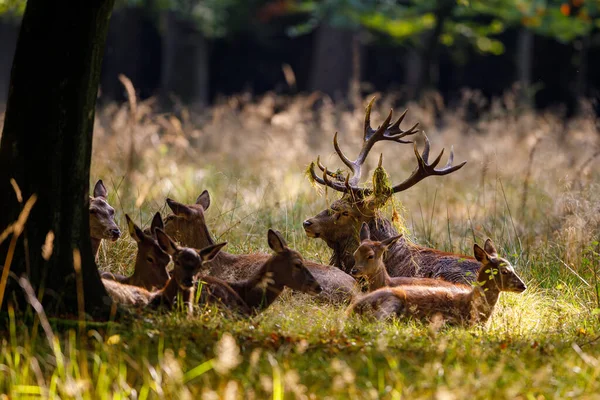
{"type": "Point", "coordinates": [531, 183]}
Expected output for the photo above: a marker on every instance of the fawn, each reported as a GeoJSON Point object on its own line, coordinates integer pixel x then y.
{"type": "Point", "coordinates": [102, 218]}
{"type": "Point", "coordinates": [150, 270]}
{"type": "Point", "coordinates": [457, 305]}
{"type": "Point", "coordinates": [188, 263]}
{"type": "Point", "coordinates": [368, 264]}
{"type": "Point", "coordinates": [339, 225]}
{"type": "Point", "coordinates": [284, 268]}
{"type": "Point", "coordinates": [187, 225]}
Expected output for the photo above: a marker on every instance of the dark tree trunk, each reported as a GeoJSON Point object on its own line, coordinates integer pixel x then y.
{"type": "Point", "coordinates": [332, 63]}
{"type": "Point", "coordinates": [9, 29]}
{"type": "Point", "coordinates": [46, 147]}
{"type": "Point", "coordinates": [430, 46]}
{"type": "Point", "coordinates": [185, 64]}
{"type": "Point", "coordinates": [524, 66]}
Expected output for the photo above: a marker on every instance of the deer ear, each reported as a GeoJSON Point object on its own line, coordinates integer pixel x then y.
{"type": "Point", "coordinates": [365, 232]}
{"type": "Point", "coordinates": [179, 209]}
{"type": "Point", "coordinates": [389, 242]}
{"type": "Point", "coordinates": [480, 253]}
{"type": "Point", "coordinates": [134, 230]}
{"type": "Point", "coordinates": [100, 189]}
{"type": "Point", "coordinates": [204, 200]}
{"type": "Point", "coordinates": [490, 248]}
{"type": "Point", "coordinates": [157, 222]}
{"type": "Point", "coordinates": [276, 241]}
{"type": "Point", "coordinates": [165, 242]}
{"type": "Point", "coordinates": [210, 252]}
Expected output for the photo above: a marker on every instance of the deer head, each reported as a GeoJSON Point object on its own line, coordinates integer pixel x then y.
{"type": "Point", "coordinates": [286, 267]}
{"type": "Point", "coordinates": [187, 224]}
{"type": "Point", "coordinates": [342, 221]}
{"type": "Point", "coordinates": [102, 215]}
{"type": "Point", "coordinates": [151, 261]}
{"type": "Point", "coordinates": [496, 273]}
{"type": "Point", "coordinates": [368, 258]}
{"type": "Point", "coordinates": [187, 262]}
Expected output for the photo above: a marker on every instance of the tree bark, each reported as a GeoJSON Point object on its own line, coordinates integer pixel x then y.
{"type": "Point", "coordinates": [46, 147]}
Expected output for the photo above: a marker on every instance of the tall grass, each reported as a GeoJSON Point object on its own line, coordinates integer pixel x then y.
{"type": "Point", "coordinates": [531, 184]}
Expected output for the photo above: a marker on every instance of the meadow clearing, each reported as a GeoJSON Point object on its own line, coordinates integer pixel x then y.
{"type": "Point", "coordinates": [532, 184]}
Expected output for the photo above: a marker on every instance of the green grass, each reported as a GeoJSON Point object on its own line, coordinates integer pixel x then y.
{"type": "Point", "coordinates": [543, 343]}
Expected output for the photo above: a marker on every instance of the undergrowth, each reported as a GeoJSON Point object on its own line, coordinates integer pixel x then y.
{"type": "Point", "coordinates": [531, 188]}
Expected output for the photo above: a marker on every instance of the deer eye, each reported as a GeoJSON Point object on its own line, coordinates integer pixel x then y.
{"type": "Point", "coordinates": [170, 218]}
{"type": "Point", "coordinates": [346, 214]}
{"type": "Point", "coordinates": [150, 259]}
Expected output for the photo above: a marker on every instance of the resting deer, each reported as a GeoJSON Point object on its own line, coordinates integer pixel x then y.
{"type": "Point", "coordinates": [150, 270]}
{"type": "Point", "coordinates": [188, 226]}
{"type": "Point", "coordinates": [339, 225]}
{"type": "Point", "coordinates": [368, 264]}
{"type": "Point", "coordinates": [284, 268]}
{"type": "Point", "coordinates": [188, 263]}
{"type": "Point", "coordinates": [457, 305]}
{"type": "Point", "coordinates": [102, 218]}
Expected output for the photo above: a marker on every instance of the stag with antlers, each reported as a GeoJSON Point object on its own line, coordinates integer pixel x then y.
{"type": "Point", "coordinates": [339, 225]}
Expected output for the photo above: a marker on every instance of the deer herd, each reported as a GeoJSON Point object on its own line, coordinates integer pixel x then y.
{"type": "Point", "coordinates": [375, 270]}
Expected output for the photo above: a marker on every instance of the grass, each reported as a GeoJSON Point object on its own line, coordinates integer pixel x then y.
{"type": "Point", "coordinates": [527, 186]}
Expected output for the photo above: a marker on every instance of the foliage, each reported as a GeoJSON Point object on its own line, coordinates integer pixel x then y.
{"type": "Point", "coordinates": [12, 7]}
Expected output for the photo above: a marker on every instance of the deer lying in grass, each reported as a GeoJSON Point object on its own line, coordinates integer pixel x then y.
{"type": "Point", "coordinates": [187, 225]}
{"type": "Point", "coordinates": [102, 218]}
{"type": "Point", "coordinates": [150, 270]}
{"type": "Point", "coordinates": [457, 305]}
{"type": "Point", "coordinates": [368, 264]}
{"type": "Point", "coordinates": [188, 263]}
{"type": "Point", "coordinates": [339, 225]}
{"type": "Point", "coordinates": [284, 268]}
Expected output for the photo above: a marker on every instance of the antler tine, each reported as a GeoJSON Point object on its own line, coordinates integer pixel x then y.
{"type": "Point", "coordinates": [345, 188]}
{"type": "Point", "coordinates": [323, 169]}
{"type": "Point", "coordinates": [424, 169]}
{"type": "Point", "coordinates": [368, 132]}
{"type": "Point", "coordinates": [345, 160]}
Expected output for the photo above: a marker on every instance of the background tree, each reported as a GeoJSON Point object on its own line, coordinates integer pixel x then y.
{"type": "Point", "coordinates": [46, 148]}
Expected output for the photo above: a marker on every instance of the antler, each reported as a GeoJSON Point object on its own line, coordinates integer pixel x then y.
{"type": "Point", "coordinates": [371, 136]}
{"type": "Point", "coordinates": [424, 169]}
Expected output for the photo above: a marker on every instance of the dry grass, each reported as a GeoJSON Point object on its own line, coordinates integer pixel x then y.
{"type": "Point", "coordinates": [531, 184]}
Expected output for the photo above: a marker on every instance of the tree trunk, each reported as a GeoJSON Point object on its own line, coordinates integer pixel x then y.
{"type": "Point", "coordinates": [581, 80]}
{"type": "Point", "coordinates": [524, 66]}
{"type": "Point", "coordinates": [9, 30]}
{"type": "Point", "coordinates": [46, 147]}
{"type": "Point", "coordinates": [185, 64]}
{"type": "Point", "coordinates": [331, 71]}
{"type": "Point", "coordinates": [430, 46]}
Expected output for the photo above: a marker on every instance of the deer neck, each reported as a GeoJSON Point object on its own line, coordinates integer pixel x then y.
{"type": "Point", "coordinates": [260, 290]}
{"type": "Point", "coordinates": [379, 279]}
{"type": "Point", "coordinates": [146, 277]}
{"type": "Point", "coordinates": [485, 297]}
{"type": "Point", "coordinates": [342, 256]}
{"type": "Point", "coordinates": [95, 246]}
{"type": "Point", "coordinates": [170, 291]}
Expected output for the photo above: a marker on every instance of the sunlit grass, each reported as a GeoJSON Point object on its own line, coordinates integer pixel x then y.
{"type": "Point", "coordinates": [543, 342]}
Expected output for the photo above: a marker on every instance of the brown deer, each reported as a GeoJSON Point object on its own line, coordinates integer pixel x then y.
{"type": "Point", "coordinates": [457, 305]}
{"type": "Point", "coordinates": [188, 263]}
{"type": "Point", "coordinates": [127, 295]}
{"type": "Point", "coordinates": [150, 270]}
{"type": "Point", "coordinates": [368, 264]}
{"type": "Point", "coordinates": [188, 226]}
{"type": "Point", "coordinates": [102, 218]}
{"type": "Point", "coordinates": [339, 225]}
{"type": "Point", "coordinates": [284, 268]}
